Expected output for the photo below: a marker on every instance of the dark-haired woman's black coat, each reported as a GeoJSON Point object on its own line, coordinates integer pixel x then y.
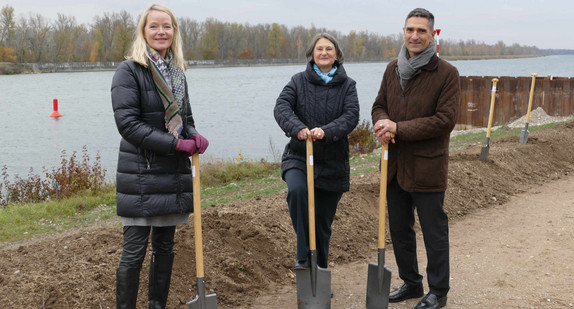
{"type": "Point", "coordinates": [307, 102]}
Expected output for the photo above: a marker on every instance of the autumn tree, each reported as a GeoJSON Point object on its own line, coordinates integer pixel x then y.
{"type": "Point", "coordinates": [191, 32]}
{"type": "Point", "coordinates": [35, 35]}
{"type": "Point", "coordinates": [7, 25]}
{"type": "Point", "coordinates": [210, 40]}
{"type": "Point", "coordinates": [64, 43]}
{"type": "Point", "coordinates": [103, 31]}
{"type": "Point", "coordinates": [275, 38]}
{"type": "Point", "coordinates": [123, 33]}
{"type": "Point", "coordinates": [246, 54]}
{"type": "Point", "coordinates": [108, 38]}
{"type": "Point", "coordinates": [7, 54]}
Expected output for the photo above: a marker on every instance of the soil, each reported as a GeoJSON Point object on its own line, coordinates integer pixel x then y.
{"type": "Point", "coordinates": [511, 229]}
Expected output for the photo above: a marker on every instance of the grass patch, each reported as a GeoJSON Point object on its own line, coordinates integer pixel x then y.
{"type": "Point", "coordinates": [463, 141]}
{"type": "Point", "coordinates": [365, 163]}
{"type": "Point", "coordinates": [224, 173]}
{"type": "Point", "coordinates": [22, 221]}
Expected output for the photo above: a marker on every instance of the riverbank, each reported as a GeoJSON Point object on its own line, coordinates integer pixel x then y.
{"type": "Point", "coordinates": [28, 68]}
{"type": "Point", "coordinates": [8, 68]}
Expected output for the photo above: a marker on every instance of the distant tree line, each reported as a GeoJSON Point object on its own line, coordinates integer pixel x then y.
{"type": "Point", "coordinates": [37, 39]}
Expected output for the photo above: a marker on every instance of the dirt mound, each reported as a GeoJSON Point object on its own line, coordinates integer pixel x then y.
{"type": "Point", "coordinates": [537, 117]}
{"type": "Point", "coordinates": [250, 246]}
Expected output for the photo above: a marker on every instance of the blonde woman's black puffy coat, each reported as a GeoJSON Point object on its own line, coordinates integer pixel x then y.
{"type": "Point", "coordinates": [307, 102]}
{"type": "Point", "coordinates": [152, 178]}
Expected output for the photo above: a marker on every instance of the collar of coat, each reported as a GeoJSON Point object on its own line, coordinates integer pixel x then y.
{"type": "Point", "coordinates": [431, 66]}
{"type": "Point", "coordinates": [339, 77]}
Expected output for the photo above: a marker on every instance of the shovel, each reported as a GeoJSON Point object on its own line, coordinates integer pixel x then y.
{"type": "Point", "coordinates": [201, 301]}
{"type": "Point", "coordinates": [486, 148]}
{"type": "Point", "coordinates": [314, 283]}
{"type": "Point", "coordinates": [524, 133]}
{"type": "Point", "coordinates": [379, 275]}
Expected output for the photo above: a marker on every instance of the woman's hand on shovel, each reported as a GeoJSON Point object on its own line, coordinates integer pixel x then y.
{"type": "Point", "coordinates": [303, 134]}
{"type": "Point", "coordinates": [317, 133]}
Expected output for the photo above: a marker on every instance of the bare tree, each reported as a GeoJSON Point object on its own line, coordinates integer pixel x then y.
{"type": "Point", "coordinates": [191, 32]}
{"type": "Point", "coordinates": [103, 32]}
{"type": "Point", "coordinates": [124, 27]}
{"type": "Point", "coordinates": [63, 39]}
{"type": "Point", "coordinates": [36, 29]}
{"type": "Point", "coordinates": [7, 25]}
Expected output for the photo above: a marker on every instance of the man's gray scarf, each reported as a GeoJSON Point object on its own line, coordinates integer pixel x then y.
{"type": "Point", "coordinates": [409, 66]}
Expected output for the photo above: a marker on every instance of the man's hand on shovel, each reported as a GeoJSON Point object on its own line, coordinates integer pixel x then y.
{"type": "Point", "coordinates": [385, 130]}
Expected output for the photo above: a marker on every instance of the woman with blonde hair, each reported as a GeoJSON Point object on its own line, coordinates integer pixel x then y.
{"type": "Point", "coordinates": [154, 183]}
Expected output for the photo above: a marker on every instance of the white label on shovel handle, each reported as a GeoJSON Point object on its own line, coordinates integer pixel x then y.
{"type": "Point", "coordinates": [311, 160]}
{"type": "Point", "coordinates": [493, 88]}
{"type": "Point", "coordinates": [386, 156]}
{"type": "Point", "coordinates": [193, 171]}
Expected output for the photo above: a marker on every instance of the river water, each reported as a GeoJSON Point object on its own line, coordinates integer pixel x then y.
{"type": "Point", "coordinates": [233, 109]}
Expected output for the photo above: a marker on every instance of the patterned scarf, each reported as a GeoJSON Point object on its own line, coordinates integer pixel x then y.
{"type": "Point", "coordinates": [170, 82]}
{"type": "Point", "coordinates": [409, 66]}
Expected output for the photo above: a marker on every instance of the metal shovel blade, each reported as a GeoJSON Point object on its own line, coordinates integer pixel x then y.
{"type": "Point", "coordinates": [484, 151]}
{"type": "Point", "coordinates": [524, 134]}
{"type": "Point", "coordinates": [313, 287]}
{"type": "Point", "coordinates": [378, 286]}
{"type": "Point", "coordinates": [202, 301]}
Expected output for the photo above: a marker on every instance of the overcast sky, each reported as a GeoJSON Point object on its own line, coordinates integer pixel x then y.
{"type": "Point", "coordinates": [544, 24]}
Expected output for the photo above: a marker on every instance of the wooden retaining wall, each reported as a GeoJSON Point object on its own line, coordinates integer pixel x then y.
{"type": "Point", "coordinates": [553, 94]}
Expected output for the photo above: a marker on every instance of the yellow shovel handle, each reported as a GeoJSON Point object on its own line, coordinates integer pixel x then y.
{"type": "Point", "coordinates": [311, 193]}
{"type": "Point", "coordinates": [197, 215]}
{"type": "Point", "coordinates": [383, 194]}
{"type": "Point", "coordinates": [531, 96]}
{"type": "Point", "coordinates": [492, 98]}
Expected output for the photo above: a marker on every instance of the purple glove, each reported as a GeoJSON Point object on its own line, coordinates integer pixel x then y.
{"type": "Point", "coordinates": [187, 146]}
{"type": "Point", "coordinates": [201, 142]}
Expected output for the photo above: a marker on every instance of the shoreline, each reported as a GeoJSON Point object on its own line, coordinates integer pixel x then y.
{"type": "Point", "coordinates": [7, 68]}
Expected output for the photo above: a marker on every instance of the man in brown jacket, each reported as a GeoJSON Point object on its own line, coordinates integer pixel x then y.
{"type": "Point", "coordinates": [415, 111]}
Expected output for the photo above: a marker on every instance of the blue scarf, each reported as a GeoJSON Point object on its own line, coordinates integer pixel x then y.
{"type": "Point", "coordinates": [326, 77]}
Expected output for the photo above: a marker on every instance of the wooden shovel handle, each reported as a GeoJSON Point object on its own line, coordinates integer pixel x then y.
{"type": "Point", "coordinates": [383, 194]}
{"type": "Point", "coordinates": [492, 98]}
{"type": "Point", "coordinates": [197, 215]}
{"type": "Point", "coordinates": [311, 193]}
{"type": "Point", "coordinates": [531, 96]}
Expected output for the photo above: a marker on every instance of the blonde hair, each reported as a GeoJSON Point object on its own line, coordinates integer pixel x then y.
{"type": "Point", "coordinates": [138, 50]}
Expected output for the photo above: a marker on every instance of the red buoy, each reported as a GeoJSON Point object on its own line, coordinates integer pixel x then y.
{"type": "Point", "coordinates": [55, 113]}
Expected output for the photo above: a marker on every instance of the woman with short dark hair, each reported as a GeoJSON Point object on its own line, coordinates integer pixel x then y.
{"type": "Point", "coordinates": [319, 103]}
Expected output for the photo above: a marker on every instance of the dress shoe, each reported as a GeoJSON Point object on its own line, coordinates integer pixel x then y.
{"type": "Point", "coordinates": [302, 265]}
{"type": "Point", "coordinates": [406, 292]}
{"type": "Point", "coordinates": [431, 301]}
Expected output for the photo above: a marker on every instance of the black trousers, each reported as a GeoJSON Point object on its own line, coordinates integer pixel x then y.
{"type": "Point", "coordinates": [136, 242]}
{"type": "Point", "coordinates": [434, 225]}
{"type": "Point", "coordinates": [325, 208]}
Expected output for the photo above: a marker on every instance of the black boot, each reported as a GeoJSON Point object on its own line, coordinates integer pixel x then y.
{"type": "Point", "coordinates": [127, 284]}
{"type": "Point", "coordinates": [159, 279]}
